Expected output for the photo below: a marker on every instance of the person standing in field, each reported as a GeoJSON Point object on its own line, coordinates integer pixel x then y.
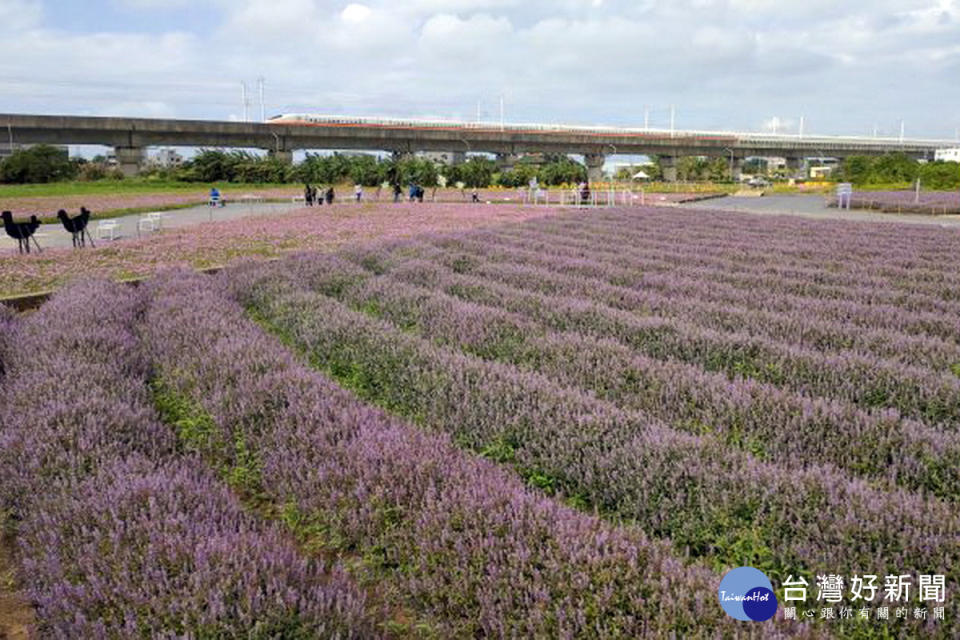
{"type": "Point", "coordinates": [397, 192]}
{"type": "Point", "coordinates": [308, 195]}
{"type": "Point", "coordinates": [330, 195]}
{"type": "Point", "coordinates": [358, 192]}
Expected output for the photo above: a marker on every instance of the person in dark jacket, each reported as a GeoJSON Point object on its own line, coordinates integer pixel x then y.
{"type": "Point", "coordinates": [397, 192]}
{"type": "Point", "coordinates": [330, 195]}
{"type": "Point", "coordinates": [308, 195]}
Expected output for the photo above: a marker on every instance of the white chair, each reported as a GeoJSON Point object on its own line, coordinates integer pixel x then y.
{"type": "Point", "coordinates": [151, 221]}
{"type": "Point", "coordinates": [146, 223]}
{"type": "Point", "coordinates": [108, 228]}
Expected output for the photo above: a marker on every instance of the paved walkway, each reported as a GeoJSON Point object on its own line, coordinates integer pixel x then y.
{"type": "Point", "coordinates": [815, 207]}
{"type": "Point", "coordinates": [52, 235]}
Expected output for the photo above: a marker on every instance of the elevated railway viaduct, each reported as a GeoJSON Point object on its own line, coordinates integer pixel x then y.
{"type": "Point", "coordinates": [130, 137]}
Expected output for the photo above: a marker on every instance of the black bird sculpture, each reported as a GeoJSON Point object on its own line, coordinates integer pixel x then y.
{"type": "Point", "coordinates": [78, 227]}
{"type": "Point", "coordinates": [22, 232]}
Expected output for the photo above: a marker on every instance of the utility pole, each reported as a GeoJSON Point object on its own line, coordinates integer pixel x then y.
{"type": "Point", "coordinates": [243, 99]}
{"type": "Point", "coordinates": [673, 119]}
{"type": "Point", "coordinates": [801, 126]}
{"type": "Point", "coordinates": [263, 110]}
{"type": "Point", "coordinates": [902, 130]}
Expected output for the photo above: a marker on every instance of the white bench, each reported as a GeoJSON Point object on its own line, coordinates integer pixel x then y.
{"type": "Point", "coordinates": [110, 228]}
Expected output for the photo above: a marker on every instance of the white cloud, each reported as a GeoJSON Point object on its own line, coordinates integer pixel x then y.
{"type": "Point", "coordinates": [355, 13]}
{"type": "Point", "coordinates": [722, 62]}
{"type": "Point", "coordinates": [17, 15]}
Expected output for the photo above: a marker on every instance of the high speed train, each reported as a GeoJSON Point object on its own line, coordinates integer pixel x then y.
{"type": "Point", "coordinates": [318, 120]}
{"type": "Point", "coordinates": [725, 137]}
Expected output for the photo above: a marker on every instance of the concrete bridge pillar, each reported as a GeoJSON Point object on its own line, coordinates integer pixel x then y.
{"type": "Point", "coordinates": [795, 165]}
{"type": "Point", "coordinates": [594, 162]}
{"type": "Point", "coordinates": [129, 160]}
{"type": "Point", "coordinates": [286, 157]}
{"type": "Point", "coordinates": [668, 166]}
{"type": "Point", "coordinates": [736, 168]}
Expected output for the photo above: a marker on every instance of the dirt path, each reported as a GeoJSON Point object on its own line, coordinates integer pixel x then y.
{"type": "Point", "coordinates": [16, 614]}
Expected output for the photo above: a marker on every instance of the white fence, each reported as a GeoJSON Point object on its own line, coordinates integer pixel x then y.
{"type": "Point", "coordinates": [574, 198]}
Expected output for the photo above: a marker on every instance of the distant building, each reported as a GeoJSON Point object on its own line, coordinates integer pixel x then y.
{"type": "Point", "coordinates": [166, 159]}
{"type": "Point", "coordinates": [947, 155]}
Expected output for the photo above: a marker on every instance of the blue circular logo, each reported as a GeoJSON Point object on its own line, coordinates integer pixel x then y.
{"type": "Point", "coordinates": [746, 594]}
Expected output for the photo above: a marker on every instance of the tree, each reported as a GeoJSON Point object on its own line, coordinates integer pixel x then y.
{"type": "Point", "coordinates": [894, 167]}
{"type": "Point", "coordinates": [41, 163]}
{"type": "Point", "coordinates": [692, 168]}
{"type": "Point", "coordinates": [212, 165]}
{"type": "Point", "coordinates": [718, 169]}
{"type": "Point", "coordinates": [886, 169]}
{"type": "Point", "coordinates": [563, 170]}
{"type": "Point", "coordinates": [366, 170]}
{"type": "Point", "coordinates": [519, 176]}
{"type": "Point", "coordinates": [476, 172]}
{"type": "Point", "coordinates": [413, 170]}
{"type": "Point", "coordinates": [323, 169]}
{"type": "Point", "coordinates": [940, 175]}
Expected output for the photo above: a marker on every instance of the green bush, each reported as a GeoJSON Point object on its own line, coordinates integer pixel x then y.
{"type": "Point", "coordinates": [41, 163]}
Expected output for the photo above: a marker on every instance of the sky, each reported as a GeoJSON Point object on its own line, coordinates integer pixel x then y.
{"type": "Point", "coordinates": [847, 67]}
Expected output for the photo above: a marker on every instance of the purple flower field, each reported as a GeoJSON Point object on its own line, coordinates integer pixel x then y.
{"type": "Point", "coordinates": [560, 427]}
{"type": "Point", "coordinates": [930, 202]}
